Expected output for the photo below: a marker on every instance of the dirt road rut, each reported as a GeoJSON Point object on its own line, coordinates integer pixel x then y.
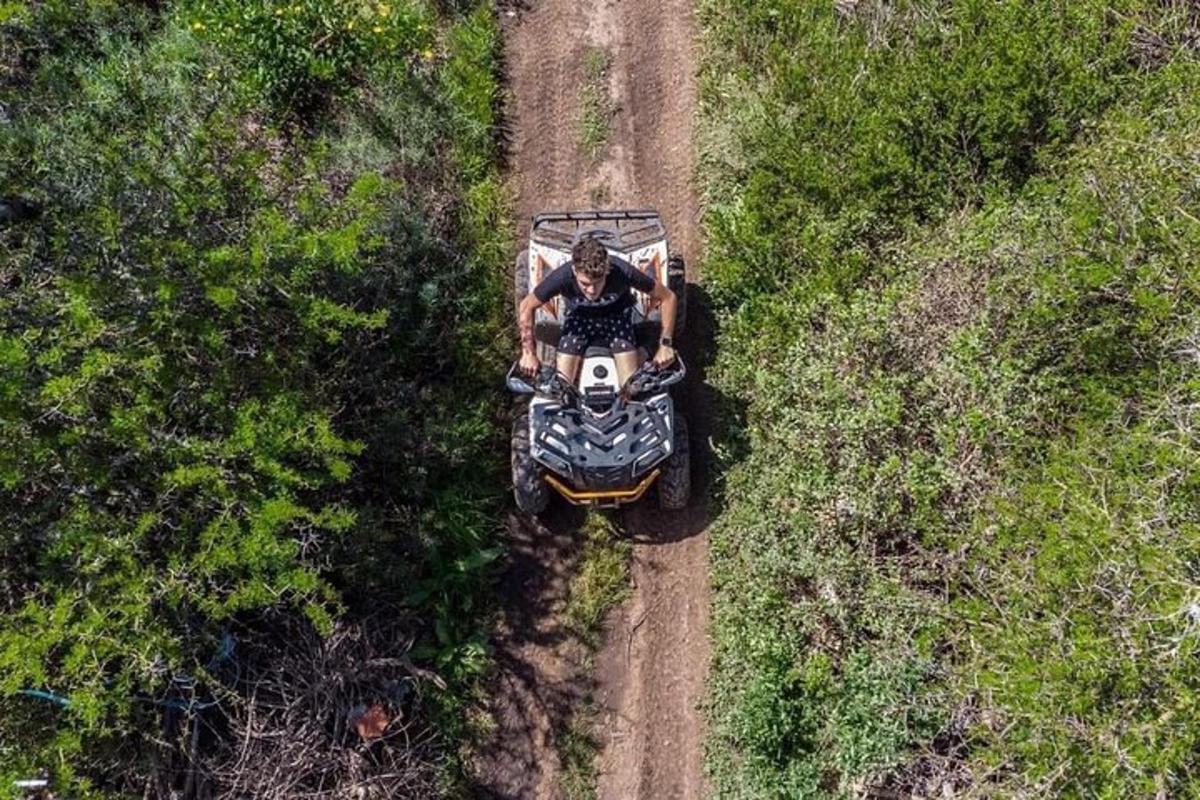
{"type": "Point", "coordinates": [648, 677]}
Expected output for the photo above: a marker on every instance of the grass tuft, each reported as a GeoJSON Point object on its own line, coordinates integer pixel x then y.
{"type": "Point", "coordinates": [602, 582]}
{"type": "Point", "coordinates": [577, 748]}
{"type": "Point", "coordinates": [595, 104]}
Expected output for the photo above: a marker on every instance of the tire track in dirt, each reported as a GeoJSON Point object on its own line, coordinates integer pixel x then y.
{"type": "Point", "coordinates": [649, 674]}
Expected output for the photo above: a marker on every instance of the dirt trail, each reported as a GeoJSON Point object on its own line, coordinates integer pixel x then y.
{"type": "Point", "coordinates": [649, 675]}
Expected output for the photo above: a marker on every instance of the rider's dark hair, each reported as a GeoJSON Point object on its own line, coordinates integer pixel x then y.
{"type": "Point", "coordinates": [590, 258]}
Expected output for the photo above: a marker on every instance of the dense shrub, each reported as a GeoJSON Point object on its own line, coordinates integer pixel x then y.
{"type": "Point", "coordinates": [849, 120]}
{"type": "Point", "coordinates": [1075, 614]}
{"type": "Point", "coordinates": [957, 543]}
{"type": "Point", "coordinates": [233, 365]}
{"type": "Point", "coordinates": [301, 51]}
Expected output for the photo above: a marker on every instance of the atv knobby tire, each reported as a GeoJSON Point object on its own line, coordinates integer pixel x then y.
{"type": "Point", "coordinates": [677, 283]}
{"type": "Point", "coordinates": [675, 482]}
{"type": "Point", "coordinates": [530, 492]}
{"type": "Point", "coordinates": [521, 278]}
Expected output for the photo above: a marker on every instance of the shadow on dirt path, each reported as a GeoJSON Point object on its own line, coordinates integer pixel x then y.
{"type": "Point", "coordinates": [539, 683]}
{"type": "Point", "coordinates": [649, 673]}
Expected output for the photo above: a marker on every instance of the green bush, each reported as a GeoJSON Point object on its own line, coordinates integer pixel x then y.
{"type": "Point", "coordinates": [1075, 616]}
{"type": "Point", "coordinates": [844, 127]}
{"type": "Point", "coordinates": [302, 51]}
{"type": "Point", "coordinates": [233, 372]}
{"type": "Point", "coordinates": [950, 247]}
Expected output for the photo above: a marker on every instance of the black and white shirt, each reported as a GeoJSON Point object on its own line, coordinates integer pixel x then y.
{"type": "Point", "coordinates": [616, 297]}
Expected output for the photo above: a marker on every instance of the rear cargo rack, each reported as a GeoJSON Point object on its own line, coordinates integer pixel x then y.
{"type": "Point", "coordinates": [618, 229]}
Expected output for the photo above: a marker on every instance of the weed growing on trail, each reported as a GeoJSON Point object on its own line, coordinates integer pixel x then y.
{"type": "Point", "coordinates": [600, 195]}
{"type": "Point", "coordinates": [595, 64]}
{"type": "Point", "coordinates": [595, 104]}
{"type": "Point", "coordinates": [602, 582]}
{"type": "Point", "coordinates": [577, 747]}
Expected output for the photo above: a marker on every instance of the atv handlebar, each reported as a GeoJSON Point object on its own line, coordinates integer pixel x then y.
{"type": "Point", "coordinates": [649, 379]}
{"type": "Point", "coordinates": [546, 381]}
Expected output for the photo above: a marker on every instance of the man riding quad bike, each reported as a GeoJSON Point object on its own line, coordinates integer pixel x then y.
{"type": "Point", "coordinates": [599, 429]}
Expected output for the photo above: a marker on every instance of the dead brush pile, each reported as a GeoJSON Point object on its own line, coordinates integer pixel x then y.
{"type": "Point", "coordinates": [322, 717]}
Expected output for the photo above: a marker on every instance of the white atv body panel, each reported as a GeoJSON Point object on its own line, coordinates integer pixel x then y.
{"type": "Point", "coordinates": [598, 372]}
{"type": "Point", "coordinates": [636, 237]}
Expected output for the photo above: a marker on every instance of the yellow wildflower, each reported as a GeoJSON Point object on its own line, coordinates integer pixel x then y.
{"type": "Point", "coordinates": [427, 55]}
{"type": "Point", "coordinates": [377, 29]}
{"type": "Point", "coordinates": [211, 75]}
{"type": "Point", "coordinates": [197, 26]}
{"type": "Point", "coordinates": [279, 12]}
{"type": "Point", "coordinates": [350, 25]}
{"type": "Point", "coordinates": [384, 9]}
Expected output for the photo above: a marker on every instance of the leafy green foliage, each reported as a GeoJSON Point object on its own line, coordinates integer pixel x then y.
{"type": "Point", "coordinates": [1079, 604]}
{"type": "Point", "coordinates": [886, 114]}
{"type": "Point", "coordinates": [233, 373]}
{"type": "Point", "coordinates": [957, 547]}
{"type": "Point", "coordinates": [301, 51]}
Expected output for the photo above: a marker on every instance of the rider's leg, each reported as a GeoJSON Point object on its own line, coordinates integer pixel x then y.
{"type": "Point", "coordinates": [568, 365]}
{"type": "Point", "coordinates": [627, 364]}
{"type": "Point", "coordinates": [622, 342]}
{"type": "Point", "coordinates": [571, 345]}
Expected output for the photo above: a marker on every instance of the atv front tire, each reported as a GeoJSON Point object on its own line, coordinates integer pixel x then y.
{"type": "Point", "coordinates": [675, 482]}
{"type": "Point", "coordinates": [530, 492]}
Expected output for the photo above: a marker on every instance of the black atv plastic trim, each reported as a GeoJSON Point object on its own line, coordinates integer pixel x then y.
{"type": "Point", "coordinates": [602, 451]}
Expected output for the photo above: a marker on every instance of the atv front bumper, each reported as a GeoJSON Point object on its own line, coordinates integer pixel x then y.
{"type": "Point", "coordinates": [613, 497]}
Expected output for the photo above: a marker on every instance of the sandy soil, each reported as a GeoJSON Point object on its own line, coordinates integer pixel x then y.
{"type": "Point", "coordinates": [648, 677]}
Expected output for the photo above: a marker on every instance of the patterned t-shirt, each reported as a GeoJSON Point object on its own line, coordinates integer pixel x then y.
{"type": "Point", "coordinates": [615, 298]}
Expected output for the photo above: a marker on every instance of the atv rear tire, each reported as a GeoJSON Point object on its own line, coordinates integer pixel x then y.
{"type": "Point", "coordinates": [530, 492]}
{"type": "Point", "coordinates": [677, 283]}
{"type": "Point", "coordinates": [675, 482]}
{"type": "Point", "coordinates": [521, 278]}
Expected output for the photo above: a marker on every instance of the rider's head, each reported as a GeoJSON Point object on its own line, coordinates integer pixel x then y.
{"type": "Point", "coordinates": [590, 263]}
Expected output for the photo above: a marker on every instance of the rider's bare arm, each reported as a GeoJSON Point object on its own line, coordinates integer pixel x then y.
{"type": "Point", "coordinates": [667, 301]}
{"type": "Point", "coordinates": [525, 315]}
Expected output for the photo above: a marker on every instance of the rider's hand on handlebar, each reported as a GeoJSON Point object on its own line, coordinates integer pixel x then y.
{"type": "Point", "coordinates": [529, 364]}
{"type": "Point", "coordinates": [664, 356]}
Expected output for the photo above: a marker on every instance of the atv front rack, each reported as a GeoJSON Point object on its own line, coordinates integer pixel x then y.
{"type": "Point", "coordinates": [619, 230]}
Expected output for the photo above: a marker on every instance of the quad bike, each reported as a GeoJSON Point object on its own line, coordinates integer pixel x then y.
{"type": "Point", "coordinates": [594, 441]}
